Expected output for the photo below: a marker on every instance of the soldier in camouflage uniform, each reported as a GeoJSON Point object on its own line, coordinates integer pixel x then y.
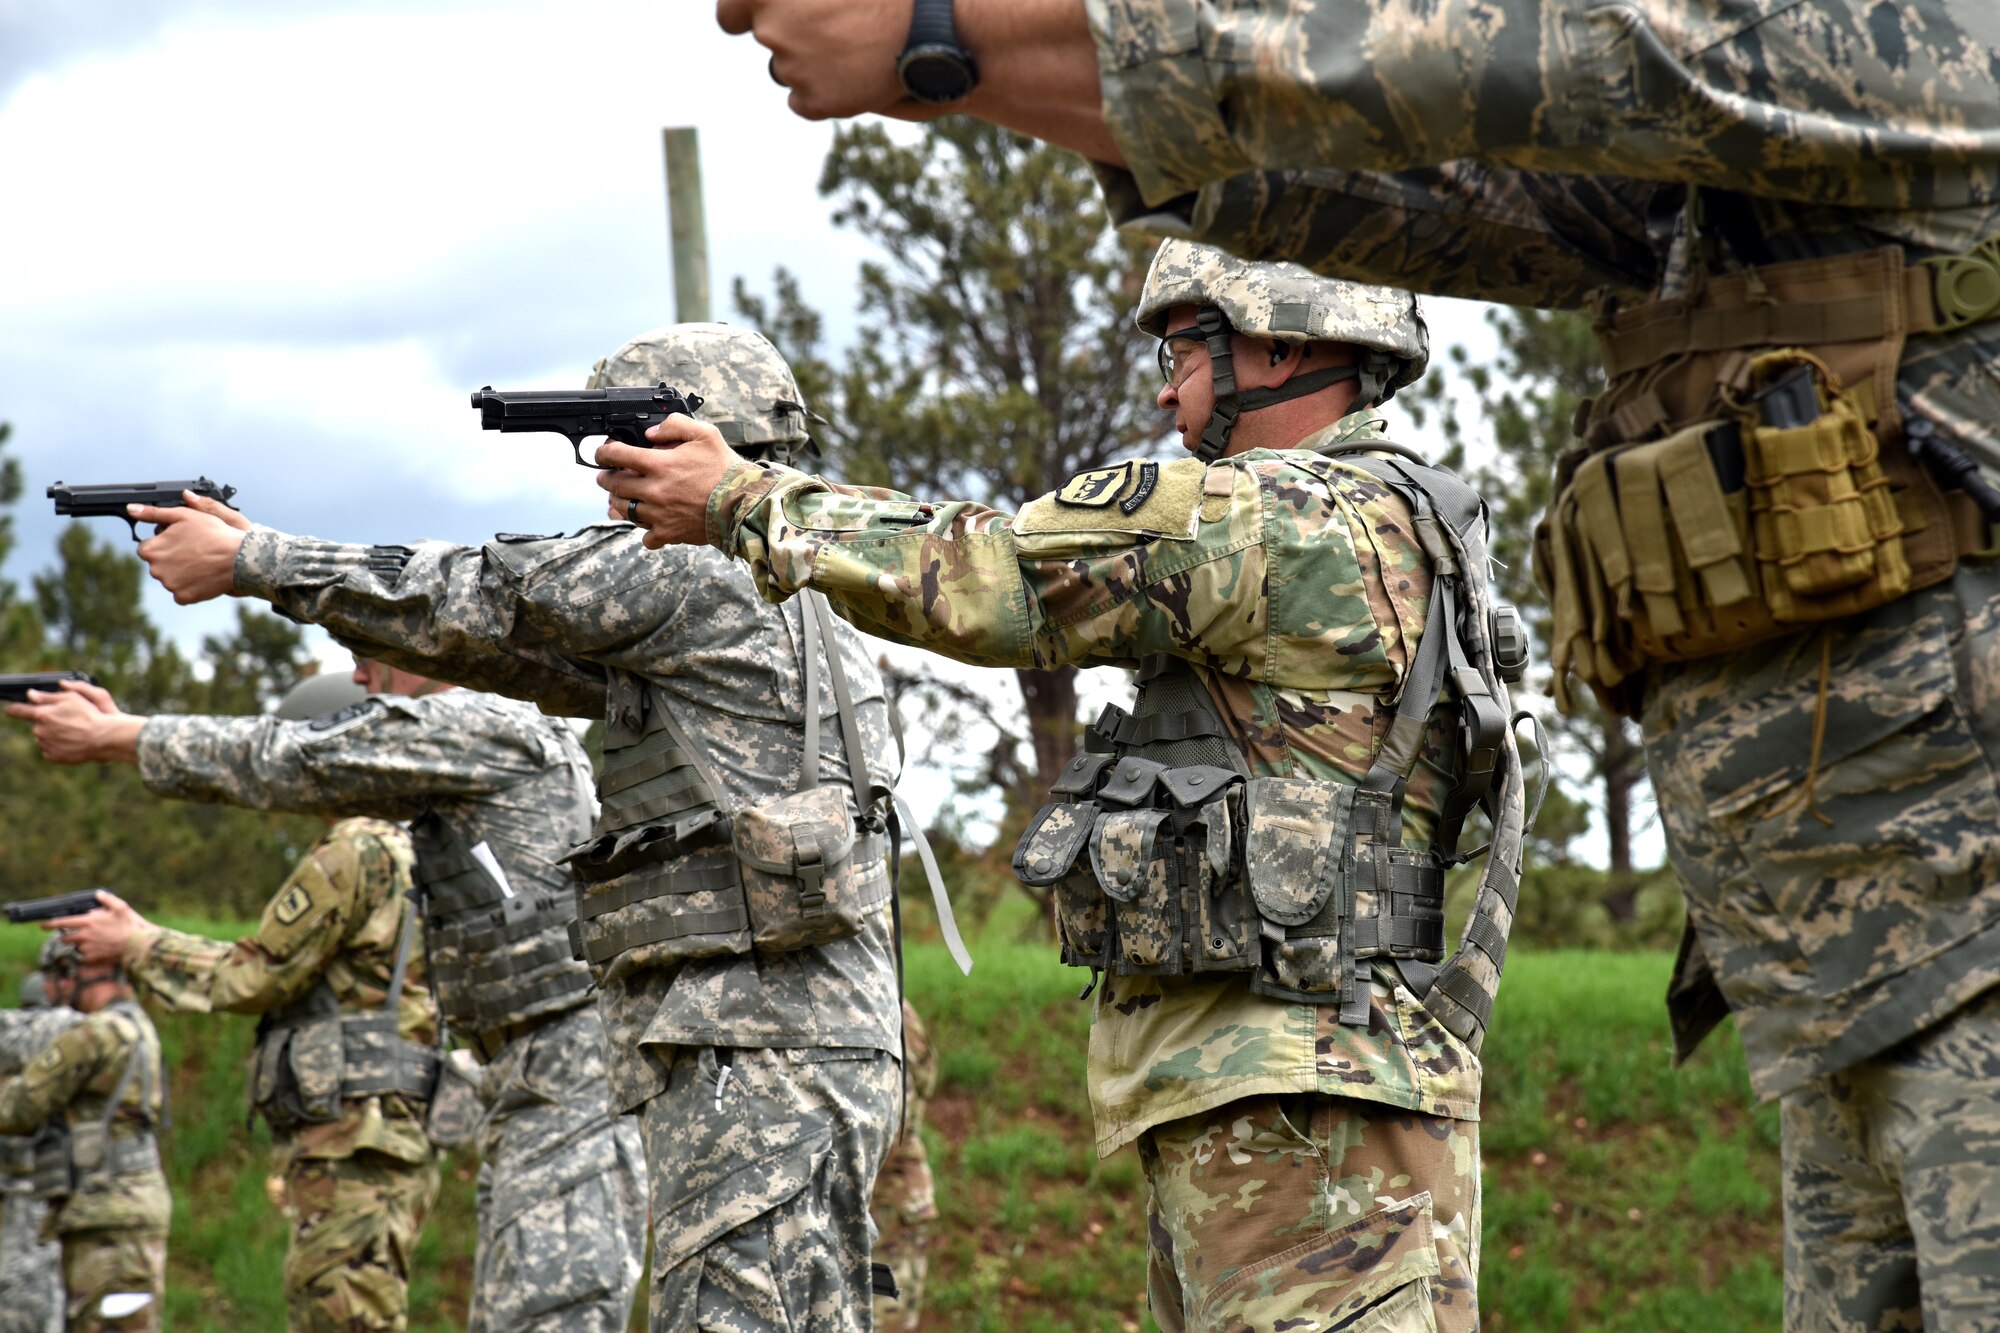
{"type": "Point", "coordinates": [94, 1097]}
{"type": "Point", "coordinates": [904, 1204]}
{"type": "Point", "coordinates": [1277, 593]}
{"type": "Point", "coordinates": [31, 1290]}
{"type": "Point", "coordinates": [1718, 183]}
{"type": "Point", "coordinates": [495, 793]}
{"type": "Point", "coordinates": [353, 1169]}
{"type": "Point", "coordinates": [761, 1063]}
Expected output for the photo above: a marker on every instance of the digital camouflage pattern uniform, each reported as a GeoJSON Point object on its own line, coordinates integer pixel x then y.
{"type": "Point", "coordinates": [760, 1180]}
{"type": "Point", "coordinates": [904, 1204]}
{"type": "Point", "coordinates": [356, 1188]}
{"type": "Point", "coordinates": [31, 1290]}
{"type": "Point", "coordinates": [113, 1230]}
{"type": "Point", "coordinates": [1536, 153]}
{"type": "Point", "coordinates": [561, 1183]}
{"type": "Point", "coordinates": [1200, 1071]}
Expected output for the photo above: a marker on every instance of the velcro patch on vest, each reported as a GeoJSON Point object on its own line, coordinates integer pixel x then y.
{"type": "Point", "coordinates": [1140, 496]}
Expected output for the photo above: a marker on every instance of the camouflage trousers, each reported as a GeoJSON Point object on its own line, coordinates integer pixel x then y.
{"type": "Point", "coordinates": [562, 1188]}
{"type": "Point", "coordinates": [1892, 1186]}
{"type": "Point", "coordinates": [762, 1163]}
{"type": "Point", "coordinates": [106, 1270]}
{"type": "Point", "coordinates": [904, 1205]}
{"type": "Point", "coordinates": [31, 1289]}
{"type": "Point", "coordinates": [1306, 1212]}
{"type": "Point", "coordinates": [355, 1222]}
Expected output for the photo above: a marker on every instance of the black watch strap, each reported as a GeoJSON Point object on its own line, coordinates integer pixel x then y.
{"type": "Point", "coordinates": [934, 68]}
{"type": "Point", "coordinates": [932, 24]}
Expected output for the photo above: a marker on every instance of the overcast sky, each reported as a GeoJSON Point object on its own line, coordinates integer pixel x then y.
{"type": "Point", "coordinates": [278, 246]}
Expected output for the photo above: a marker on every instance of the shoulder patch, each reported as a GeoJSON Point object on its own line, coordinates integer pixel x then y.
{"type": "Point", "coordinates": [1141, 496]}
{"type": "Point", "coordinates": [340, 718]}
{"type": "Point", "coordinates": [295, 903]}
{"type": "Point", "coordinates": [50, 1059]}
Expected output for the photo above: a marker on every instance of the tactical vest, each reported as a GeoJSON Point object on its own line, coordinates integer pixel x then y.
{"type": "Point", "coordinates": [1746, 473]}
{"type": "Point", "coordinates": [675, 870]}
{"type": "Point", "coordinates": [77, 1156]}
{"type": "Point", "coordinates": [310, 1057]}
{"type": "Point", "coordinates": [1167, 858]}
{"type": "Point", "coordinates": [499, 952]}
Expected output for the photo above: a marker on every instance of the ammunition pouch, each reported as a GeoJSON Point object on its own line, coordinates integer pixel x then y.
{"type": "Point", "coordinates": [1694, 519]}
{"type": "Point", "coordinates": [676, 872]}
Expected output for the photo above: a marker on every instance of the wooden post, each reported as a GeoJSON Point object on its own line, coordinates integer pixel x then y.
{"type": "Point", "coordinates": [687, 226]}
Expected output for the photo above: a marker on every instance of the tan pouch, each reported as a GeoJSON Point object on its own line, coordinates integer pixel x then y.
{"type": "Point", "coordinates": [802, 882]}
{"type": "Point", "coordinates": [317, 1055]}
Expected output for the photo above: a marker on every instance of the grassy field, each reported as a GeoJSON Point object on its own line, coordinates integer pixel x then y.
{"type": "Point", "coordinates": [1620, 1194]}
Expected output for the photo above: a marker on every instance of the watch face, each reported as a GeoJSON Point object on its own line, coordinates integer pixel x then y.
{"type": "Point", "coordinates": [936, 74]}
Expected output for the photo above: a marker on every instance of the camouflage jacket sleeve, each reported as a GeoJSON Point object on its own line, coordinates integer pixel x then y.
{"type": "Point", "coordinates": [529, 617]}
{"type": "Point", "coordinates": [1463, 229]}
{"type": "Point", "coordinates": [305, 927]}
{"type": "Point", "coordinates": [1844, 102]}
{"type": "Point", "coordinates": [52, 1079]}
{"type": "Point", "coordinates": [26, 1033]}
{"type": "Point", "coordinates": [389, 757]}
{"type": "Point", "coordinates": [1118, 563]}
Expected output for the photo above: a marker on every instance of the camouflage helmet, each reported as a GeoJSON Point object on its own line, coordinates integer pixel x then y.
{"type": "Point", "coordinates": [318, 695]}
{"type": "Point", "coordinates": [1287, 303]}
{"type": "Point", "coordinates": [748, 392]}
{"type": "Point", "coordinates": [35, 990]}
{"type": "Point", "coordinates": [59, 957]}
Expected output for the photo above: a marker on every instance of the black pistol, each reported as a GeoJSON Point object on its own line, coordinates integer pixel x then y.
{"type": "Point", "coordinates": [110, 501]}
{"type": "Point", "coordinates": [52, 909]}
{"type": "Point", "coordinates": [576, 414]}
{"type": "Point", "coordinates": [14, 689]}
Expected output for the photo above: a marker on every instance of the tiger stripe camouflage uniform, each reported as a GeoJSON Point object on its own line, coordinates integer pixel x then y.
{"type": "Point", "coordinates": [111, 1221]}
{"type": "Point", "coordinates": [765, 1083]}
{"type": "Point", "coordinates": [561, 1209]}
{"type": "Point", "coordinates": [31, 1290]}
{"type": "Point", "coordinates": [354, 1188]}
{"type": "Point", "coordinates": [1828, 798]}
{"type": "Point", "coordinates": [1357, 1145]}
{"type": "Point", "coordinates": [904, 1204]}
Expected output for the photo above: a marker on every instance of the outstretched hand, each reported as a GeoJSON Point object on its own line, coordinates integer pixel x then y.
{"type": "Point", "coordinates": [80, 723]}
{"type": "Point", "coordinates": [193, 554]}
{"type": "Point", "coordinates": [671, 482]}
{"type": "Point", "coordinates": [100, 936]}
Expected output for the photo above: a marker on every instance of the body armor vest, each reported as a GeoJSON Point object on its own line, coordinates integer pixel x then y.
{"type": "Point", "coordinates": [674, 870]}
{"type": "Point", "coordinates": [85, 1156]}
{"type": "Point", "coordinates": [499, 947]}
{"type": "Point", "coordinates": [1166, 857]}
{"type": "Point", "coordinates": [310, 1057]}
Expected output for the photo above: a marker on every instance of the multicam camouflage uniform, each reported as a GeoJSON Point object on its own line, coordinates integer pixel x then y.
{"type": "Point", "coordinates": [766, 1084]}
{"type": "Point", "coordinates": [1357, 1143]}
{"type": "Point", "coordinates": [355, 1187]}
{"type": "Point", "coordinates": [31, 1290]}
{"type": "Point", "coordinates": [1829, 798]}
{"type": "Point", "coordinates": [561, 1213]}
{"type": "Point", "coordinates": [110, 1206]}
{"type": "Point", "coordinates": [904, 1204]}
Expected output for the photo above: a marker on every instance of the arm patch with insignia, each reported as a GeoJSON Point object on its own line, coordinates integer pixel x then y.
{"type": "Point", "coordinates": [1139, 496]}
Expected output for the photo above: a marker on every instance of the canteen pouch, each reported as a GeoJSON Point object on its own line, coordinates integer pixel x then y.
{"type": "Point", "coordinates": [802, 881]}
{"type": "Point", "coordinates": [1296, 837]}
{"type": "Point", "coordinates": [316, 1056]}
{"type": "Point", "coordinates": [89, 1150]}
{"type": "Point", "coordinates": [1133, 864]}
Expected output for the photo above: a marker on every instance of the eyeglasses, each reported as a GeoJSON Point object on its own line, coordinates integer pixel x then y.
{"type": "Point", "coordinates": [1176, 366]}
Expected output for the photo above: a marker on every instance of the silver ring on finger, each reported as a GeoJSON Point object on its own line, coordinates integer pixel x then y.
{"type": "Point", "coordinates": [632, 510]}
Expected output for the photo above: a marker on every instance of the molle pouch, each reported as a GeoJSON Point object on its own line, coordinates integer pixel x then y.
{"type": "Point", "coordinates": [1823, 516]}
{"type": "Point", "coordinates": [317, 1057]}
{"type": "Point", "coordinates": [1296, 834]}
{"type": "Point", "coordinates": [1132, 856]}
{"type": "Point", "coordinates": [802, 880]}
{"type": "Point", "coordinates": [1131, 782]}
{"type": "Point", "coordinates": [1047, 856]}
{"type": "Point", "coordinates": [1222, 928]}
{"type": "Point", "coordinates": [89, 1152]}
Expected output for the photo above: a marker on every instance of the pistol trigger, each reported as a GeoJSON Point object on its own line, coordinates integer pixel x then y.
{"type": "Point", "coordinates": [133, 524]}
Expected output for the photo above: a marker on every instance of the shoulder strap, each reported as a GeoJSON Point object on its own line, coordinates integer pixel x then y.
{"type": "Point", "coordinates": [819, 632]}
{"type": "Point", "coordinates": [135, 1062]}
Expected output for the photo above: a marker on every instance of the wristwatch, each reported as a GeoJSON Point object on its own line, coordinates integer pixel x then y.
{"type": "Point", "coordinates": [934, 68]}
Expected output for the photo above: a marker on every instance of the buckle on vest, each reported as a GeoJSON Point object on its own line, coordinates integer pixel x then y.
{"type": "Point", "coordinates": [1965, 288]}
{"type": "Point", "coordinates": [811, 862]}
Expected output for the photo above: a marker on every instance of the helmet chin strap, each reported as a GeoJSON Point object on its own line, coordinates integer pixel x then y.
{"type": "Point", "coordinates": [1231, 403]}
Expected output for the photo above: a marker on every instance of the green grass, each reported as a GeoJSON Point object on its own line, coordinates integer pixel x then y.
{"type": "Point", "coordinates": [1620, 1194]}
